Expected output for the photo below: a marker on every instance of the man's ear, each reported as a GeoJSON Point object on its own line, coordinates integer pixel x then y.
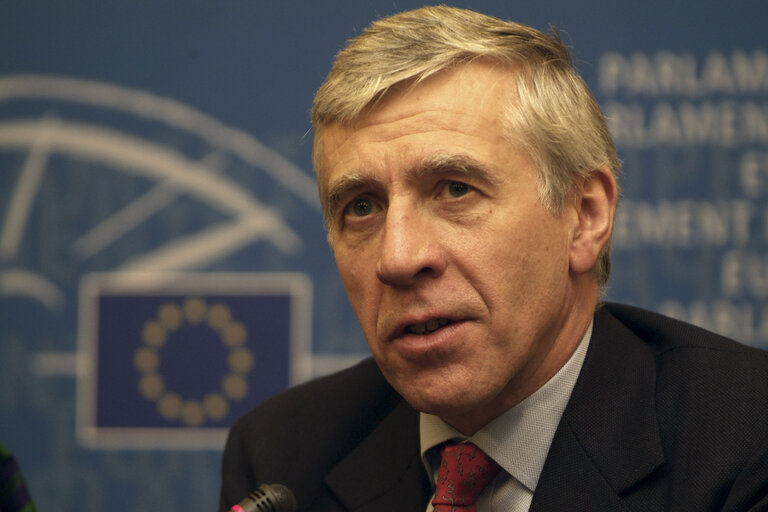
{"type": "Point", "coordinates": [595, 205]}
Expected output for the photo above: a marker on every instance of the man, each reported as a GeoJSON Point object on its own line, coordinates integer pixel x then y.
{"type": "Point", "coordinates": [469, 185]}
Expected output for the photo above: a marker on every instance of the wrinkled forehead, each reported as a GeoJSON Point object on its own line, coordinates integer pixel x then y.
{"type": "Point", "coordinates": [485, 84]}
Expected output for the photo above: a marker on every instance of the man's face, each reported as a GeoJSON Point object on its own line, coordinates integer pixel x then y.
{"type": "Point", "coordinates": [458, 275]}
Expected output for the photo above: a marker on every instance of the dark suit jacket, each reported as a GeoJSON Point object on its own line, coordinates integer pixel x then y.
{"type": "Point", "coordinates": [664, 417]}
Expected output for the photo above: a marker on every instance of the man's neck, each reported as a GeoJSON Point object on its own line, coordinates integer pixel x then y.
{"type": "Point", "coordinates": [568, 335]}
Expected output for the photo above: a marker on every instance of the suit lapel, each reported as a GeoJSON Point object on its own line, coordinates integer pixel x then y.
{"type": "Point", "coordinates": [385, 471]}
{"type": "Point", "coordinates": [608, 439]}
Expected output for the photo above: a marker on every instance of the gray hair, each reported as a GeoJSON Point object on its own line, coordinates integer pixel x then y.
{"type": "Point", "coordinates": [553, 115]}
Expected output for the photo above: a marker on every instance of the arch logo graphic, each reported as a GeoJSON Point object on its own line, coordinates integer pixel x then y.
{"type": "Point", "coordinates": [147, 249]}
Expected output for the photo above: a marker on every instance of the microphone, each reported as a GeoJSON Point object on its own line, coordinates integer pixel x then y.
{"type": "Point", "coordinates": [268, 498]}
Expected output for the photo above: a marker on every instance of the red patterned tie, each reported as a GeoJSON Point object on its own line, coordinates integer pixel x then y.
{"type": "Point", "coordinates": [464, 472]}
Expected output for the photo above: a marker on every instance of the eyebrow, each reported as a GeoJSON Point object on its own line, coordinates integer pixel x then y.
{"type": "Point", "coordinates": [455, 166]}
{"type": "Point", "coordinates": [459, 167]}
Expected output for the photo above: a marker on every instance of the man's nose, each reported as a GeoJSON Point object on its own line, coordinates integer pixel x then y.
{"type": "Point", "coordinates": [410, 247]}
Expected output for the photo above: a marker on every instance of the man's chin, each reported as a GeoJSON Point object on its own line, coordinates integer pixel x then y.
{"type": "Point", "coordinates": [444, 405]}
{"type": "Point", "coordinates": [464, 407]}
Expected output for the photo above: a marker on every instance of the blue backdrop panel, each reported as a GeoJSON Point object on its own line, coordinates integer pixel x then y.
{"type": "Point", "coordinates": [173, 138]}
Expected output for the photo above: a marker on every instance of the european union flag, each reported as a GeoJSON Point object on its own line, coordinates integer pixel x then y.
{"type": "Point", "coordinates": [170, 357]}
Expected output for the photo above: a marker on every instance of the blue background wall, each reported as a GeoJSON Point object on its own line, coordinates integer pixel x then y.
{"type": "Point", "coordinates": [140, 135]}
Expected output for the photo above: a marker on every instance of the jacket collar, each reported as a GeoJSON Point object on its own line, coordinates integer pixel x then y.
{"type": "Point", "coordinates": [608, 439]}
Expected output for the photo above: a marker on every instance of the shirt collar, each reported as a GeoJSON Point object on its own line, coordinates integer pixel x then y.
{"type": "Point", "coordinates": [519, 439]}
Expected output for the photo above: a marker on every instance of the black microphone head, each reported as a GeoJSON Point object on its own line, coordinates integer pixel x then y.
{"type": "Point", "coordinates": [268, 498]}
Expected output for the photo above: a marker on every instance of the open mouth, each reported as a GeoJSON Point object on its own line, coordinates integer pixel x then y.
{"type": "Point", "coordinates": [427, 327]}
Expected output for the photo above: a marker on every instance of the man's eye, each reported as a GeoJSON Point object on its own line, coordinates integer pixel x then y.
{"type": "Point", "coordinates": [457, 188]}
{"type": "Point", "coordinates": [361, 207]}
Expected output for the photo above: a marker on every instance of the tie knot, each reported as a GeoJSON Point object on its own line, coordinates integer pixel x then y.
{"type": "Point", "coordinates": [465, 470]}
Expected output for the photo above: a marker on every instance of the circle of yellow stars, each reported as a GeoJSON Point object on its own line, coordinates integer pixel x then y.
{"type": "Point", "coordinates": [155, 333]}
